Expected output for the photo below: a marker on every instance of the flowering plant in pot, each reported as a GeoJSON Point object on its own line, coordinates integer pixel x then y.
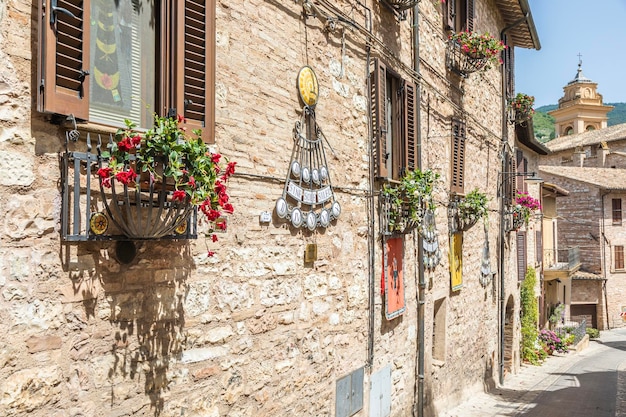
{"type": "Point", "coordinates": [525, 206]}
{"type": "Point", "coordinates": [164, 166]}
{"type": "Point", "coordinates": [464, 212]}
{"type": "Point", "coordinates": [409, 200]}
{"type": "Point", "coordinates": [522, 105]}
{"type": "Point", "coordinates": [479, 46]}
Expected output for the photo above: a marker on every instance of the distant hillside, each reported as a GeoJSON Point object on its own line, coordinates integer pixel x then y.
{"type": "Point", "coordinates": [544, 123]}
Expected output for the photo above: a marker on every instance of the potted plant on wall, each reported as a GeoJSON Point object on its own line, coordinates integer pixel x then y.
{"type": "Point", "coordinates": [154, 179]}
{"type": "Point", "coordinates": [525, 206]}
{"type": "Point", "coordinates": [464, 212]}
{"type": "Point", "coordinates": [522, 107]}
{"type": "Point", "coordinates": [405, 204]}
{"type": "Point", "coordinates": [471, 51]}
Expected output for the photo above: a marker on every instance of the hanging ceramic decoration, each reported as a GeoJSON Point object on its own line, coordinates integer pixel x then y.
{"type": "Point", "coordinates": [485, 265]}
{"type": "Point", "coordinates": [430, 239]}
{"type": "Point", "coordinates": [308, 199]}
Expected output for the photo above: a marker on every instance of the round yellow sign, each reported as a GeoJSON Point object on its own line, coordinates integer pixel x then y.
{"type": "Point", "coordinates": [308, 86]}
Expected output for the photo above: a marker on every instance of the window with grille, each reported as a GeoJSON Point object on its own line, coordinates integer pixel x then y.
{"type": "Point", "coordinates": [105, 61]}
{"type": "Point", "coordinates": [394, 117]}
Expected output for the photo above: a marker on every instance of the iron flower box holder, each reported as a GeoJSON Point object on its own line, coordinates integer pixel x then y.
{"type": "Point", "coordinates": [161, 176]}
{"type": "Point", "coordinates": [470, 52]}
{"type": "Point", "coordinates": [464, 212]}
{"type": "Point", "coordinates": [521, 107]}
{"type": "Point", "coordinates": [524, 207]}
{"type": "Point", "coordinates": [405, 204]}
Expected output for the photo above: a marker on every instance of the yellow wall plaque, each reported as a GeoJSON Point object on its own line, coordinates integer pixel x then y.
{"type": "Point", "coordinates": [308, 86]}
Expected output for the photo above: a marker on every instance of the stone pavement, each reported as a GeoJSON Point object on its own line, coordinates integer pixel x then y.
{"type": "Point", "coordinates": [518, 391]}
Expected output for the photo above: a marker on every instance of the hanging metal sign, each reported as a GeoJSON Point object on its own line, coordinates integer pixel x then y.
{"type": "Point", "coordinates": [308, 199]}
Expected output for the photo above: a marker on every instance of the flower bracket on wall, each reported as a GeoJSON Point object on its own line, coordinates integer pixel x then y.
{"type": "Point", "coordinates": [469, 52]}
{"type": "Point", "coordinates": [464, 212]}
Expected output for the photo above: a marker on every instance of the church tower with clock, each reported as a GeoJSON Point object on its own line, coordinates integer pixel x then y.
{"type": "Point", "coordinates": [581, 108]}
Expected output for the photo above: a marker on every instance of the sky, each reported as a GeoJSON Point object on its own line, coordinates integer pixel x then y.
{"type": "Point", "coordinates": [596, 29]}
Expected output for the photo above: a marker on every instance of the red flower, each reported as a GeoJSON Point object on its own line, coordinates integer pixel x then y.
{"type": "Point", "coordinates": [216, 158]}
{"type": "Point", "coordinates": [126, 177]}
{"type": "Point", "coordinates": [104, 172]}
{"type": "Point", "coordinates": [179, 195]}
{"type": "Point", "coordinates": [210, 253]}
{"type": "Point", "coordinates": [124, 145]}
{"type": "Point", "coordinates": [192, 182]}
{"type": "Point", "coordinates": [106, 182]}
{"type": "Point", "coordinates": [228, 208]}
{"type": "Point", "coordinates": [135, 140]}
{"type": "Point", "coordinates": [214, 238]}
{"type": "Point", "coordinates": [181, 119]}
{"type": "Point", "coordinates": [221, 225]}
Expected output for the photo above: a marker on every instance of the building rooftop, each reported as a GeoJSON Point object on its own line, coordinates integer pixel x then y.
{"type": "Point", "coordinates": [593, 137]}
{"type": "Point", "coordinates": [604, 178]}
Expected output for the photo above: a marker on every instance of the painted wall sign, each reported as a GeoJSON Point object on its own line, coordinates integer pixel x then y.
{"type": "Point", "coordinates": [393, 278]}
{"type": "Point", "coordinates": [456, 261]}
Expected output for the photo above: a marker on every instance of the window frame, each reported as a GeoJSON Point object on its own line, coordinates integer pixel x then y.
{"type": "Point", "coordinates": [64, 43]}
{"type": "Point", "coordinates": [616, 211]}
{"type": "Point", "coordinates": [618, 258]}
{"type": "Point", "coordinates": [393, 159]}
{"type": "Point", "coordinates": [458, 15]}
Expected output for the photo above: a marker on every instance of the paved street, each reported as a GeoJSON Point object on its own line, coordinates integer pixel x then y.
{"type": "Point", "coordinates": [591, 383]}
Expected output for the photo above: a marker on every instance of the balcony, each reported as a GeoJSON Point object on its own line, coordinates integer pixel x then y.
{"type": "Point", "coordinates": [560, 263]}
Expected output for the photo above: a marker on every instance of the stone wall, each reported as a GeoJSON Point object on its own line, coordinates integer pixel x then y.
{"type": "Point", "coordinates": [253, 330]}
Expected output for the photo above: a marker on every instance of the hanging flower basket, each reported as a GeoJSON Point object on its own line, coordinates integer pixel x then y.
{"type": "Point", "coordinates": [401, 4]}
{"type": "Point", "coordinates": [464, 212]}
{"type": "Point", "coordinates": [403, 205]}
{"type": "Point", "coordinates": [152, 181]}
{"type": "Point", "coordinates": [522, 107]}
{"type": "Point", "coordinates": [516, 218]}
{"type": "Point", "coordinates": [470, 52]}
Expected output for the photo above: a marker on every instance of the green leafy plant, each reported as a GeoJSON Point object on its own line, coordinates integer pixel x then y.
{"type": "Point", "coordinates": [410, 198]}
{"type": "Point", "coordinates": [529, 318]}
{"type": "Point", "coordinates": [473, 206]}
{"type": "Point", "coordinates": [477, 45]}
{"type": "Point", "coordinates": [166, 153]}
{"type": "Point", "coordinates": [593, 333]}
{"type": "Point", "coordinates": [557, 313]}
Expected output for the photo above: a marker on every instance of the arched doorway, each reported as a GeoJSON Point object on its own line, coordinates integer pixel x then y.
{"type": "Point", "coordinates": [509, 324]}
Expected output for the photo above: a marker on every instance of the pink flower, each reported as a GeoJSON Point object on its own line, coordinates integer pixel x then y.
{"type": "Point", "coordinates": [179, 195]}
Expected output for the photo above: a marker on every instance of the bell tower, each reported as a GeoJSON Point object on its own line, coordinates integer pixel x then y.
{"type": "Point", "coordinates": [580, 109]}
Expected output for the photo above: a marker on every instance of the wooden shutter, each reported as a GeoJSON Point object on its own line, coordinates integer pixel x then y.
{"type": "Point", "coordinates": [63, 58]}
{"type": "Point", "coordinates": [469, 15]}
{"type": "Point", "coordinates": [521, 255]}
{"type": "Point", "coordinates": [411, 125]}
{"type": "Point", "coordinates": [619, 257]}
{"type": "Point", "coordinates": [617, 210]}
{"type": "Point", "coordinates": [449, 12]}
{"type": "Point", "coordinates": [509, 62]}
{"type": "Point", "coordinates": [194, 92]}
{"type": "Point", "coordinates": [519, 180]}
{"type": "Point", "coordinates": [457, 159]}
{"type": "Point", "coordinates": [379, 118]}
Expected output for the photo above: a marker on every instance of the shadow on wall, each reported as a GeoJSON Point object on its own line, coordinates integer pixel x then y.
{"type": "Point", "coordinates": [144, 303]}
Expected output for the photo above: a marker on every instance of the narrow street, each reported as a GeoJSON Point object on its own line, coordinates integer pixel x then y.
{"type": "Point", "coordinates": [591, 383]}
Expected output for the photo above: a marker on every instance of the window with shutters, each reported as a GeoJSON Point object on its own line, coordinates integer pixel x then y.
{"type": "Point", "coordinates": [521, 256]}
{"type": "Point", "coordinates": [522, 168]}
{"type": "Point", "coordinates": [459, 15]}
{"type": "Point", "coordinates": [105, 61]}
{"type": "Point", "coordinates": [618, 257]}
{"type": "Point", "coordinates": [394, 118]}
{"type": "Point", "coordinates": [457, 158]}
{"type": "Point", "coordinates": [617, 211]}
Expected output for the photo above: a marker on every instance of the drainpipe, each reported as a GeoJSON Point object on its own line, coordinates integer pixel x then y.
{"type": "Point", "coordinates": [420, 250]}
{"type": "Point", "coordinates": [505, 140]}
{"type": "Point", "coordinates": [603, 257]}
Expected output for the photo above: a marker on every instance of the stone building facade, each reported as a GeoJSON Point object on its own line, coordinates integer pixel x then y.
{"type": "Point", "coordinates": [256, 329]}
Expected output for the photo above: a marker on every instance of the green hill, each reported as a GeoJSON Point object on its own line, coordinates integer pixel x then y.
{"type": "Point", "coordinates": [543, 123]}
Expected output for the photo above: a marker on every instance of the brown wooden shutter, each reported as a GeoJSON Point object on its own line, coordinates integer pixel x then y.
{"type": "Point", "coordinates": [411, 125]}
{"type": "Point", "coordinates": [63, 56]}
{"type": "Point", "coordinates": [379, 118]}
{"type": "Point", "coordinates": [509, 57]}
{"type": "Point", "coordinates": [617, 210]}
{"type": "Point", "coordinates": [194, 92]}
{"type": "Point", "coordinates": [539, 245]}
{"type": "Point", "coordinates": [469, 15]}
{"type": "Point", "coordinates": [457, 164]}
{"type": "Point", "coordinates": [449, 9]}
{"type": "Point", "coordinates": [519, 180]}
{"type": "Point", "coordinates": [619, 257]}
{"type": "Point", "coordinates": [521, 255]}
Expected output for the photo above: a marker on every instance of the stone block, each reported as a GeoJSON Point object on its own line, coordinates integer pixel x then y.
{"type": "Point", "coordinates": [43, 343]}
